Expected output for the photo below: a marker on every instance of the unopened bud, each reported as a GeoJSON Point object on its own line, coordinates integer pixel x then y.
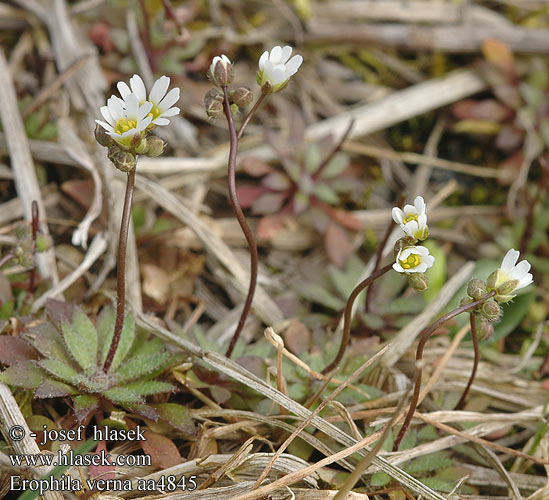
{"type": "Point", "coordinates": [476, 288]}
{"type": "Point", "coordinates": [213, 93]}
{"type": "Point", "coordinates": [485, 329]}
{"type": "Point", "coordinates": [491, 311]}
{"type": "Point", "coordinates": [137, 140]}
{"type": "Point", "coordinates": [221, 71]}
{"type": "Point", "coordinates": [418, 281]}
{"type": "Point", "coordinates": [22, 254]}
{"type": "Point", "coordinates": [241, 96]}
{"type": "Point", "coordinates": [143, 147]}
{"type": "Point", "coordinates": [43, 242]}
{"type": "Point", "coordinates": [101, 136]}
{"type": "Point", "coordinates": [492, 280]}
{"type": "Point", "coordinates": [123, 160]}
{"type": "Point", "coordinates": [405, 241]}
{"type": "Point", "coordinates": [156, 146]}
{"type": "Point", "coordinates": [465, 300]}
{"type": "Point", "coordinates": [214, 109]}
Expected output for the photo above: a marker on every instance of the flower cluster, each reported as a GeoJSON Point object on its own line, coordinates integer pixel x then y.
{"type": "Point", "coordinates": [129, 119]}
{"type": "Point", "coordinates": [411, 259]}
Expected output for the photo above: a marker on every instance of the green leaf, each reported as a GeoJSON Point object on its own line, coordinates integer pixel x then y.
{"type": "Point", "coordinates": [149, 357]}
{"type": "Point", "coordinates": [312, 158]}
{"type": "Point", "coordinates": [149, 387]}
{"type": "Point", "coordinates": [127, 338]}
{"type": "Point", "coordinates": [436, 274]}
{"type": "Point", "coordinates": [59, 370]}
{"type": "Point", "coordinates": [122, 395]}
{"type": "Point", "coordinates": [54, 389]}
{"type": "Point", "coordinates": [428, 463]}
{"type": "Point", "coordinates": [25, 374]}
{"type": "Point", "coordinates": [335, 166]}
{"type": "Point", "coordinates": [318, 293]}
{"type": "Point", "coordinates": [47, 341]}
{"type": "Point", "coordinates": [380, 479]}
{"type": "Point", "coordinates": [81, 339]}
{"type": "Point", "coordinates": [177, 416]}
{"type": "Point", "coordinates": [326, 193]}
{"type": "Point", "coordinates": [84, 404]}
{"type": "Point", "coordinates": [105, 330]}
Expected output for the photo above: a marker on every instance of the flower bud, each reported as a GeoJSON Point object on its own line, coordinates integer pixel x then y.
{"type": "Point", "coordinates": [143, 147]}
{"type": "Point", "coordinates": [122, 160]}
{"type": "Point", "coordinates": [465, 300]}
{"type": "Point", "coordinates": [156, 146]}
{"type": "Point", "coordinates": [43, 242]}
{"type": "Point", "coordinates": [136, 142]}
{"type": "Point", "coordinates": [221, 71]}
{"type": "Point", "coordinates": [491, 311]}
{"type": "Point", "coordinates": [22, 254]}
{"type": "Point", "coordinates": [213, 93]}
{"type": "Point", "coordinates": [418, 281]}
{"type": "Point", "coordinates": [241, 96]}
{"type": "Point", "coordinates": [214, 109]}
{"type": "Point", "coordinates": [102, 137]}
{"type": "Point", "coordinates": [492, 280]}
{"type": "Point", "coordinates": [405, 241]}
{"type": "Point", "coordinates": [485, 329]}
{"type": "Point", "coordinates": [476, 288]}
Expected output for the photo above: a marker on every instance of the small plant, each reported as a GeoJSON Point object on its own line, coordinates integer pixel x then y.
{"type": "Point", "coordinates": [65, 357]}
{"type": "Point", "coordinates": [275, 70]}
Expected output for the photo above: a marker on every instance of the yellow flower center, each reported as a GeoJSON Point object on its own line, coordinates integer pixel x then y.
{"type": "Point", "coordinates": [409, 218]}
{"type": "Point", "coordinates": [123, 125]}
{"type": "Point", "coordinates": [413, 260]}
{"type": "Point", "coordinates": [155, 112]}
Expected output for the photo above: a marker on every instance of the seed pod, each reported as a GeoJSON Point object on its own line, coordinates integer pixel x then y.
{"type": "Point", "coordinates": [485, 329]}
{"type": "Point", "coordinates": [214, 109]}
{"type": "Point", "coordinates": [156, 146]}
{"type": "Point", "coordinates": [476, 288]}
{"type": "Point", "coordinates": [491, 310]}
{"type": "Point", "coordinates": [241, 96]}
{"type": "Point", "coordinates": [102, 137]}
{"type": "Point", "coordinates": [418, 281]}
{"type": "Point", "coordinates": [123, 160]}
{"type": "Point", "coordinates": [405, 241]}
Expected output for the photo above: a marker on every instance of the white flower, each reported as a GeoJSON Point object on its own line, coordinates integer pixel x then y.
{"type": "Point", "coordinates": [221, 70]}
{"type": "Point", "coordinates": [125, 119]}
{"type": "Point", "coordinates": [161, 103]}
{"type": "Point", "coordinates": [510, 276]}
{"type": "Point", "coordinates": [413, 219]}
{"type": "Point", "coordinates": [415, 259]}
{"type": "Point", "coordinates": [276, 68]}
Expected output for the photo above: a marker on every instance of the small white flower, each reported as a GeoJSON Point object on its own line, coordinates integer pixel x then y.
{"type": "Point", "coordinates": [125, 119]}
{"type": "Point", "coordinates": [221, 70]}
{"type": "Point", "coordinates": [161, 103]}
{"type": "Point", "coordinates": [276, 68]}
{"type": "Point", "coordinates": [413, 219]}
{"type": "Point", "coordinates": [510, 276]}
{"type": "Point", "coordinates": [414, 259]}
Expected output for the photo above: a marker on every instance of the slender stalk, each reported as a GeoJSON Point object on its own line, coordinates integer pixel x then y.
{"type": "Point", "coordinates": [32, 274]}
{"type": "Point", "coordinates": [121, 270]}
{"type": "Point", "coordinates": [348, 313]}
{"type": "Point", "coordinates": [336, 148]}
{"type": "Point", "coordinates": [250, 115]}
{"type": "Point", "coordinates": [241, 219]}
{"type": "Point", "coordinates": [424, 336]}
{"type": "Point", "coordinates": [6, 258]}
{"type": "Point", "coordinates": [474, 336]}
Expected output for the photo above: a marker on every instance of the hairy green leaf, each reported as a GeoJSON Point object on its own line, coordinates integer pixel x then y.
{"type": "Point", "coordinates": [105, 330]}
{"type": "Point", "coordinates": [81, 339]}
{"type": "Point", "coordinates": [149, 387]}
{"type": "Point", "coordinates": [335, 166]}
{"type": "Point", "coordinates": [126, 341]}
{"type": "Point", "coordinates": [46, 340]}
{"type": "Point", "coordinates": [54, 389]}
{"type": "Point", "coordinates": [122, 395]}
{"type": "Point", "coordinates": [84, 404]}
{"type": "Point", "coordinates": [177, 416]}
{"type": "Point", "coordinates": [59, 370]}
{"type": "Point", "coordinates": [147, 358]}
{"type": "Point", "coordinates": [24, 374]}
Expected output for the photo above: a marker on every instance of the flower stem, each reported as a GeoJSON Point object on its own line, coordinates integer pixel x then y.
{"type": "Point", "coordinates": [240, 216]}
{"type": "Point", "coordinates": [250, 115]}
{"type": "Point", "coordinates": [121, 270]}
{"type": "Point", "coordinates": [424, 336]}
{"type": "Point", "coordinates": [474, 337]}
{"type": "Point", "coordinates": [6, 258]}
{"type": "Point", "coordinates": [348, 313]}
{"type": "Point", "coordinates": [32, 273]}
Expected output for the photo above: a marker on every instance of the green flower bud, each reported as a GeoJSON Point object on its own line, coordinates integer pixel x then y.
{"type": "Point", "coordinates": [156, 146]}
{"type": "Point", "coordinates": [143, 147]}
{"type": "Point", "coordinates": [491, 310]}
{"type": "Point", "coordinates": [241, 96]}
{"type": "Point", "coordinates": [22, 254]}
{"type": "Point", "coordinates": [418, 281]}
{"type": "Point", "coordinates": [136, 142]}
{"type": "Point", "coordinates": [465, 300]}
{"type": "Point", "coordinates": [43, 242]}
{"type": "Point", "coordinates": [405, 241]}
{"type": "Point", "coordinates": [102, 137]}
{"type": "Point", "coordinates": [476, 288]}
{"type": "Point", "coordinates": [492, 280]}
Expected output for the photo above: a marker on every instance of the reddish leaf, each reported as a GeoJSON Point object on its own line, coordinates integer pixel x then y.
{"type": "Point", "coordinates": [163, 452]}
{"type": "Point", "coordinates": [346, 219]}
{"type": "Point", "coordinates": [100, 35]}
{"type": "Point", "coordinates": [255, 166]}
{"type": "Point", "coordinates": [337, 244]}
{"type": "Point", "coordinates": [15, 349]}
{"type": "Point", "coordinates": [59, 312]}
{"type": "Point", "coordinates": [499, 54]}
{"type": "Point", "coordinates": [102, 471]}
{"type": "Point", "coordinates": [276, 181]}
{"type": "Point", "coordinates": [269, 226]}
{"type": "Point", "coordinates": [510, 168]}
{"type": "Point", "coordinates": [248, 193]}
{"type": "Point", "coordinates": [268, 203]}
{"type": "Point", "coordinates": [254, 364]}
{"type": "Point", "coordinates": [510, 137]}
{"type": "Point", "coordinates": [80, 190]}
{"type": "Point", "coordinates": [487, 109]}
{"type": "Point", "coordinates": [297, 337]}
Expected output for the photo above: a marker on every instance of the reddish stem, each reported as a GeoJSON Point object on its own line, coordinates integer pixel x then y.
{"type": "Point", "coordinates": [347, 315]}
{"type": "Point", "coordinates": [474, 336]}
{"type": "Point", "coordinates": [121, 270]}
{"type": "Point", "coordinates": [424, 336]}
{"type": "Point", "coordinates": [250, 115]}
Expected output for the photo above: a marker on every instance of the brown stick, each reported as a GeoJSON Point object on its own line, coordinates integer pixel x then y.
{"type": "Point", "coordinates": [419, 356]}
{"type": "Point", "coordinates": [121, 269]}
{"type": "Point", "coordinates": [32, 273]}
{"type": "Point", "coordinates": [250, 115]}
{"type": "Point", "coordinates": [474, 336]}
{"type": "Point", "coordinates": [241, 220]}
{"type": "Point", "coordinates": [347, 315]}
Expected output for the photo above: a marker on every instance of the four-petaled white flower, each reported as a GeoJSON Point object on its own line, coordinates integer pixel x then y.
{"type": "Point", "coordinates": [125, 119]}
{"type": "Point", "coordinates": [413, 219]}
{"type": "Point", "coordinates": [413, 259]}
{"type": "Point", "coordinates": [276, 68]}
{"type": "Point", "coordinates": [161, 103]}
{"type": "Point", "coordinates": [510, 276]}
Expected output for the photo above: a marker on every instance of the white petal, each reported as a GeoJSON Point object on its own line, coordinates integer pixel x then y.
{"type": "Point", "coordinates": [397, 215]}
{"type": "Point", "coordinates": [138, 88]}
{"type": "Point", "coordinates": [293, 65]}
{"type": "Point", "coordinates": [161, 121]}
{"type": "Point", "coordinates": [132, 106]}
{"type": "Point", "coordinates": [410, 227]}
{"type": "Point", "coordinates": [526, 280]}
{"type": "Point", "coordinates": [521, 269]}
{"type": "Point", "coordinates": [398, 268]}
{"type": "Point", "coordinates": [409, 209]}
{"type": "Point", "coordinates": [263, 59]}
{"type": "Point", "coordinates": [277, 76]}
{"type": "Point", "coordinates": [143, 124]}
{"type": "Point", "coordinates": [159, 89]}
{"type": "Point", "coordinates": [116, 108]}
{"type": "Point", "coordinates": [275, 55]}
{"type": "Point", "coordinates": [225, 59]}
{"type": "Point", "coordinates": [422, 220]}
{"type": "Point", "coordinates": [170, 112]}
{"type": "Point", "coordinates": [171, 98]}
{"type": "Point", "coordinates": [106, 126]}
{"type": "Point", "coordinates": [144, 110]}
{"type": "Point", "coordinates": [107, 115]}
{"type": "Point", "coordinates": [420, 268]}
{"type": "Point", "coordinates": [123, 89]}
{"type": "Point", "coordinates": [286, 53]}
{"type": "Point", "coordinates": [419, 203]}
{"type": "Point", "coordinates": [405, 253]}
{"type": "Point", "coordinates": [423, 251]}
{"type": "Point", "coordinates": [510, 259]}
{"type": "Point", "coordinates": [429, 260]}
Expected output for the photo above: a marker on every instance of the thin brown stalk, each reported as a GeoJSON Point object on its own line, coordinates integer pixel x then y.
{"type": "Point", "coordinates": [424, 336]}
{"type": "Point", "coordinates": [35, 222]}
{"type": "Point", "coordinates": [474, 337]}
{"type": "Point", "coordinates": [121, 270]}
{"type": "Point", "coordinates": [6, 258]}
{"type": "Point", "coordinates": [250, 115]}
{"type": "Point", "coordinates": [241, 220]}
{"type": "Point", "coordinates": [337, 147]}
{"type": "Point", "coordinates": [347, 315]}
